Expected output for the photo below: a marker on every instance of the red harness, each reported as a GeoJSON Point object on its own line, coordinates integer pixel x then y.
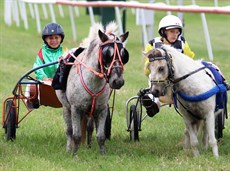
{"type": "Point", "coordinates": [100, 74]}
{"type": "Point", "coordinates": [94, 95]}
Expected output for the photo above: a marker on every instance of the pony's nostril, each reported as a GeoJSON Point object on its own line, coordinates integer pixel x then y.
{"type": "Point", "coordinates": [156, 93]}
{"type": "Point", "coordinates": [118, 83]}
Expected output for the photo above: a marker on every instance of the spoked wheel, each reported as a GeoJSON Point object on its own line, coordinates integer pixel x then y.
{"type": "Point", "coordinates": [108, 125]}
{"type": "Point", "coordinates": [10, 120]}
{"type": "Point", "coordinates": [134, 134]}
{"type": "Point", "coordinates": [219, 125]}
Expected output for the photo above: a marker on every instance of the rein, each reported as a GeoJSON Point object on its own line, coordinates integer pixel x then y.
{"type": "Point", "coordinates": [174, 81]}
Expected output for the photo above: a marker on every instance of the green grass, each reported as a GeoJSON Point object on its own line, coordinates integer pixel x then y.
{"type": "Point", "coordinates": [40, 142]}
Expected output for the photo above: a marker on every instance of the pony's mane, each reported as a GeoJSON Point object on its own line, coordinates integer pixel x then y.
{"type": "Point", "coordinates": [93, 34]}
{"type": "Point", "coordinates": [111, 28]}
{"type": "Point", "coordinates": [174, 53]}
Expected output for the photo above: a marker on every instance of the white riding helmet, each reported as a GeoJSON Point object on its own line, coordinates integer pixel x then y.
{"type": "Point", "coordinates": [169, 22]}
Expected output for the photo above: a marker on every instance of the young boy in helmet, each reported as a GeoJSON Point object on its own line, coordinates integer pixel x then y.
{"type": "Point", "coordinates": [170, 30]}
{"type": "Point", "coordinates": [52, 35]}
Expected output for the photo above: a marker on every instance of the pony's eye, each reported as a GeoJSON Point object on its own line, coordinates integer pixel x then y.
{"type": "Point", "coordinates": [161, 69]}
{"type": "Point", "coordinates": [124, 55]}
{"type": "Point", "coordinates": [107, 54]}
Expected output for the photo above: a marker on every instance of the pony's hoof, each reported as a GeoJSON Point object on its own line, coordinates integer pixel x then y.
{"type": "Point", "coordinates": [68, 149]}
{"type": "Point", "coordinates": [102, 151]}
{"type": "Point", "coordinates": [196, 154]}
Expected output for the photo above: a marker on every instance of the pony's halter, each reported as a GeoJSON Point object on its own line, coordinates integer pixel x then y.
{"type": "Point", "coordinates": [168, 59]}
{"type": "Point", "coordinates": [116, 57]}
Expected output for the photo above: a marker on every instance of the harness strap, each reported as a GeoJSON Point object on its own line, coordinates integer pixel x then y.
{"type": "Point", "coordinates": [220, 88]}
{"type": "Point", "coordinates": [181, 94]}
{"type": "Point", "coordinates": [187, 75]}
{"type": "Point", "coordinates": [195, 116]}
{"type": "Point", "coordinates": [94, 96]}
{"type": "Point", "coordinates": [101, 75]}
{"type": "Point", "coordinates": [113, 91]}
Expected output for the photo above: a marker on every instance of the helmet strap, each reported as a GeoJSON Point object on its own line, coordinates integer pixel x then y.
{"type": "Point", "coordinates": [169, 41]}
{"type": "Point", "coordinates": [165, 36]}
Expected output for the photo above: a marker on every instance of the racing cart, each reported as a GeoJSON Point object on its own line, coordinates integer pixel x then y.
{"type": "Point", "coordinates": [30, 93]}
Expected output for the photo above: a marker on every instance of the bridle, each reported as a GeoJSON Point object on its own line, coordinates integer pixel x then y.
{"type": "Point", "coordinates": [168, 59]}
{"type": "Point", "coordinates": [106, 71]}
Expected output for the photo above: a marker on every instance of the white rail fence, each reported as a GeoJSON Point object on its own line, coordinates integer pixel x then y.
{"type": "Point", "coordinates": [16, 9]}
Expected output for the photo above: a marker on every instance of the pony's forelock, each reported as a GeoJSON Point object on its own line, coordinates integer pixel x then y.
{"type": "Point", "coordinates": [112, 27]}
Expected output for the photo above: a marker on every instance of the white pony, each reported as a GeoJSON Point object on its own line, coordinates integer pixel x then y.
{"type": "Point", "coordinates": [95, 71]}
{"type": "Point", "coordinates": [172, 71]}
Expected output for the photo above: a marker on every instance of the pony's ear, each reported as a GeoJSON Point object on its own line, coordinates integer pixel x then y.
{"type": "Point", "coordinates": [144, 53]}
{"type": "Point", "coordinates": [102, 36]}
{"type": "Point", "coordinates": [124, 36]}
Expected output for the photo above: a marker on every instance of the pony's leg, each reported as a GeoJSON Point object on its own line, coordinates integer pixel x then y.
{"type": "Point", "coordinates": [100, 125]}
{"type": "Point", "coordinates": [210, 126]}
{"type": "Point", "coordinates": [186, 139]}
{"type": "Point", "coordinates": [205, 135]}
{"type": "Point", "coordinates": [76, 125]}
{"type": "Point", "coordinates": [69, 130]}
{"type": "Point", "coordinates": [193, 130]}
{"type": "Point", "coordinates": [90, 128]}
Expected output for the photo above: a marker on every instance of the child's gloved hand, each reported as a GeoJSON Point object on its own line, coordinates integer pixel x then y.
{"type": "Point", "coordinates": [47, 81]}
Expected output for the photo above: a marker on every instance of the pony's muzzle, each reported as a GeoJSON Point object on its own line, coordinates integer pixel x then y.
{"type": "Point", "coordinates": [117, 83]}
{"type": "Point", "coordinates": [155, 92]}
{"type": "Point", "coordinates": [158, 91]}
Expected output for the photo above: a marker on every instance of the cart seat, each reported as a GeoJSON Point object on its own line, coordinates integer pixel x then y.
{"type": "Point", "coordinates": [48, 96]}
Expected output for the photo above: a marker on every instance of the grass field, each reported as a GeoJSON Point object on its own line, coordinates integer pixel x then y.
{"type": "Point", "coordinates": [40, 142]}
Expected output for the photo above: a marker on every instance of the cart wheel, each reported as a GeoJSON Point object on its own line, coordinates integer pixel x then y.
{"type": "Point", "coordinates": [134, 134]}
{"type": "Point", "coordinates": [108, 125]}
{"type": "Point", "coordinates": [219, 125]}
{"type": "Point", "coordinates": [10, 121]}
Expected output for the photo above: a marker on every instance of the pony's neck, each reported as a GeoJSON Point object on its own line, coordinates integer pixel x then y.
{"type": "Point", "coordinates": [195, 83]}
{"type": "Point", "coordinates": [184, 65]}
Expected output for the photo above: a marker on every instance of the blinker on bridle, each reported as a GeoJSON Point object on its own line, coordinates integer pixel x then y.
{"type": "Point", "coordinates": [115, 43]}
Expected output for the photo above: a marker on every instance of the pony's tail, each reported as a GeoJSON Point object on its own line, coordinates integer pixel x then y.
{"type": "Point", "coordinates": [87, 127]}
{"type": "Point", "coordinates": [83, 129]}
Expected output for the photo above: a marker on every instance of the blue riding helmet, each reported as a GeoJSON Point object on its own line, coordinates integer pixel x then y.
{"type": "Point", "coordinates": [53, 29]}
